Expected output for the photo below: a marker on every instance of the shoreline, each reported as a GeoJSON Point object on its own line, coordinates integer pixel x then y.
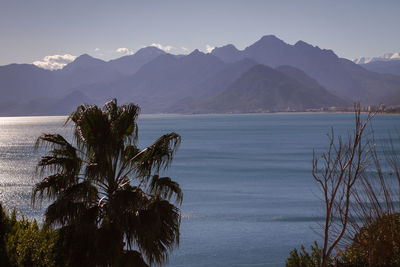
{"type": "Point", "coordinates": [227, 113]}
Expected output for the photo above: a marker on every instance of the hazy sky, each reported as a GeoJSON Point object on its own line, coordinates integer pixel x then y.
{"type": "Point", "coordinates": [33, 29]}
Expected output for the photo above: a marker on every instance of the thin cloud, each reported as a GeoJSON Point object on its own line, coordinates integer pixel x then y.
{"type": "Point", "coordinates": [166, 48]}
{"type": "Point", "coordinates": [209, 48]}
{"type": "Point", "coordinates": [97, 49]}
{"type": "Point", "coordinates": [124, 50]}
{"type": "Point", "coordinates": [185, 49]}
{"type": "Point", "coordinates": [54, 62]}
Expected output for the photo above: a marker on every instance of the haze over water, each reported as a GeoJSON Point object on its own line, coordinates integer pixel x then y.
{"type": "Point", "coordinates": [249, 197]}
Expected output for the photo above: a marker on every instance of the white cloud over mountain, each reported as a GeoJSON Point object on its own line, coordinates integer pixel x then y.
{"type": "Point", "coordinates": [54, 62]}
{"type": "Point", "coordinates": [384, 57]}
{"type": "Point", "coordinates": [209, 48]}
{"type": "Point", "coordinates": [166, 48]}
{"type": "Point", "coordinates": [124, 50]}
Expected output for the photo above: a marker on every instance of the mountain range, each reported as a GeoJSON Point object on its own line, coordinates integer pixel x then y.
{"type": "Point", "coordinates": [387, 63]}
{"type": "Point", "coordinates": [269, 75]}
{"type": "Point", "coordinates": [264, 89]}
{"type": "Point", "coordinates": [384, 57]}
{"type": "Point", "coordinates": [390, 67]}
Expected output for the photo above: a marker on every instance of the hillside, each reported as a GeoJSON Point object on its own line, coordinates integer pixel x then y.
{"type": "Point", "coordinates": [264, 89]}
{"type": "Point", "coordinates": [160, 82]}
{"type": "Point", "coordinates": [338, 75]}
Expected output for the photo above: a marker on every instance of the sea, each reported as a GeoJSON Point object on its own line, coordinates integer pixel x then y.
{"type": "Point", "coordinates": [249, 196]}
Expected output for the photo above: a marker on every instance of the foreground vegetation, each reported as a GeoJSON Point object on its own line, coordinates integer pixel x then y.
{"type": "Point", "coordinates": [109, 206]}
{"type": "Point", "coordinates": [23, 243]}
{"type": "Point", "coordinates": [360, 191]}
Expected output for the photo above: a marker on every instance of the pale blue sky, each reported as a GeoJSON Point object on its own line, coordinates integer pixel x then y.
{"type": "Point", "coordinates": [32, 29]}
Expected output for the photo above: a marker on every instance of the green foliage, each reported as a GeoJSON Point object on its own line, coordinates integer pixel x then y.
{"type": "Point", "coordinates": [108, 199]}
{"type": "Point", "coordinates": [4, 231]}
{"type": "Point", "coordinates": [303, 258]}
{"type": "Point", "coordinates": [376, 244]}
{"type": "Point", "coordinates": [23, 243]}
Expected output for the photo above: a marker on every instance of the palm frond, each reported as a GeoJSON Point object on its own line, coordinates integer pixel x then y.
{"type": "Point", "coordinates": [123, 122]}
{"type": "Point", "coordinates": [62, 154]}
{"type": "Point", "coordinates": [127, 200]}
{"type": "Point", "coordinates": [61, 212]}
{"type": "Point", "coordinates": [105, 185]}
{"type": "Point", "coordinates": [157, 156]}
{"type": "Point", "coordinates": [53, 140]}
{"type": "Point", "coordinates": [51, 186]}
{"type": "Point", "coordinates": [68, 213]}
{"type": "Point", "coordinates": [131, 258]}
{"type": "Point", "coordinates": [83, 191]}
{"type": "Point", "coordinates": [93, 128]}
{"type": "Point", "coordinates": [75, 116]}
{"type": "Point", "coordinates": [158, 231]}
{"type": "Point", "coordinates": [72, 204]}
{"type": "Point", "coordinates": [165, 188]}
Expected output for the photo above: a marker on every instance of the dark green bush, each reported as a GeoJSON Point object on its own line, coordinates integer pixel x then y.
{"type": "Point", "coordinates": [23, 243]}
{"type": "Point", "coordinates": [376, 244]}
{"type": "Point", "coordinates": [303, 258]}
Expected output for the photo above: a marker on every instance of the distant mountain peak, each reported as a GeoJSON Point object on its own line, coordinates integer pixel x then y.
{"type": "Point", "coordinates": [313, 49]}
{"type": "Point", "coordinates": [132, 63]}
{"type": "Point", "coordinates": [227, 47]}
{"type": "Point", "coordinates": [196, 52]}
{"type": "Point", "coordinates": [301, 43]}
{"type": "Point", "coordinates": [149, 50]}
{"type": "Point", "coordinates": [84, 57]}
{"type": "Point", "coordinates": [270, 39]}
{"type": "Point", "coordinates": [84, 61]}
{"type": "Point", "coordinates": [264, 89]}
{"type": "Point", "coordinates": [384, 57]}
{"type": "Point", "coordinates": [268, 42]}
{"type": "Point", "coordinates": [224, 80]}
{"type": "Point", "coordinates": [228, 53]}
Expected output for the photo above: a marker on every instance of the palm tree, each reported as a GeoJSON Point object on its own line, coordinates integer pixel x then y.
{"type": "Point", "coordinates": [111, 205]}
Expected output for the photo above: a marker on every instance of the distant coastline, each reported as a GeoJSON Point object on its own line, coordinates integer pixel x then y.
{"type": "Point", "coordinates": [365, 110]}
{"type": "Point", "coordinates": [387, 111]}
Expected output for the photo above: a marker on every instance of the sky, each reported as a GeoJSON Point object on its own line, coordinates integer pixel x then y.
{"type": "Point", "coordinates": [31, 30]}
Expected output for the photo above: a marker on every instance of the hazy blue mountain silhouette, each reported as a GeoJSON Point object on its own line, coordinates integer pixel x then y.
{"type": "Point", "coordinates": [86, 70]}
{"type": "Point", "coordinates": [264, 89]}
{"type": "Point", "coordinates": [211, 87]}
{"type": "Point", "coordinates": [228, 53]}
{"type": "Point", "coordinates": [390, 66]}
{"type": "Point", "coordinates": [132, 63]}
{"type": "Point", "coordinates": [24, 82]}
{"type": "Point", "coordinates": [161, 82]}
{"type": "Point", "coordinates": [28, 90]}
{"type": "Point", "coordinates": [340, 76]}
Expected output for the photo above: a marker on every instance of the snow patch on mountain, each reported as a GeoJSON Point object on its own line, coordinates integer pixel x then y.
{"type": "Point", "coordinates": [384, 57]}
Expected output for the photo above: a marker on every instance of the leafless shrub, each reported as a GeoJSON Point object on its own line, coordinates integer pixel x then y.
{"type": "Point", "coordinates": [374, 223]}
{"type": "Point", "coordinates": [337, 171]}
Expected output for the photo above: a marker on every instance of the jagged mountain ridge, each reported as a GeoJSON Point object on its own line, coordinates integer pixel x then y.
{"type": "Point", "coordinates": [389, 67]}
{"type": "Point", "coordinates": [27, 89]}
{"type": "Point", "coordinates": [167, 79]}
{"type": "Point", "coordinates": [384, 57]}
{"type": "Point", "coordinates": [340, 76]}
{"type": "Point", "coordinates": [161, 82]}
{"type": "Point", "coordinates": [264, 89]}
{"type": "Point", "coordinates": [132, 63]}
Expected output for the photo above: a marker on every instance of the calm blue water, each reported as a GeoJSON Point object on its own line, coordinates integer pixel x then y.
{"type": "Point", "coordinates": [249, 197]}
